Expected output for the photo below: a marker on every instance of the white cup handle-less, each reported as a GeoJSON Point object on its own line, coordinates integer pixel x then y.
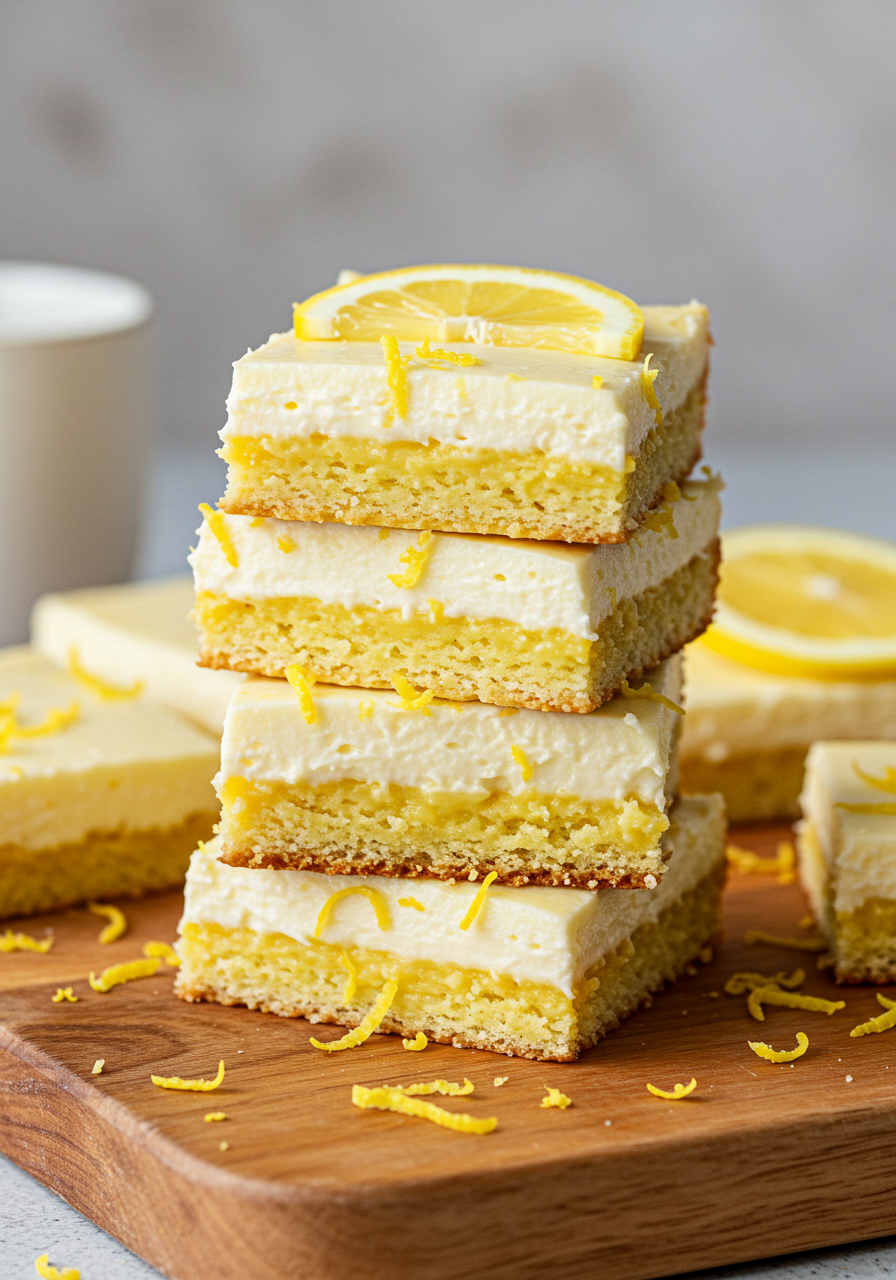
{"type": "Point", "coordinates": [75, 423]}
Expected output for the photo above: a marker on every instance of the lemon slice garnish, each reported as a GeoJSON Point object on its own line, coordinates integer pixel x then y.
{"type": "Point", "coordinates": [497, 306]}
{"type": "Point", "coordinates": [795, 600]}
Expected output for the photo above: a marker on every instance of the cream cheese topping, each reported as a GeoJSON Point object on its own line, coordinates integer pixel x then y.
{"type": "Point", "coordinates": [550, 936]}
{"type": "Point", "coordinates": [538, 585]}
{"type": "Point", "coordinates": [516, 400]}
{"type": "Point", "coordinates": [622, 751]}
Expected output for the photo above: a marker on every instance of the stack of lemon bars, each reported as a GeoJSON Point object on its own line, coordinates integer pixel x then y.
{"type": "Point", "coordinates": [457, 557]}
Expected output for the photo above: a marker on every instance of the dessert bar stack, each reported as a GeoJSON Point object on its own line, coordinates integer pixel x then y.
{"type": "Point", "coordinates": [458, 578]}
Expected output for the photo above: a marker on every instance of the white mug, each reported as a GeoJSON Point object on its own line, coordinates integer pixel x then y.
{"type": "Point", "coordinates": [75, 421]}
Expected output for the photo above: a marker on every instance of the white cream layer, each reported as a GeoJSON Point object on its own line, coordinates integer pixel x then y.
{"type": "Point", "coordinates": [140, 631]}
{"type": "Point", "coordinates": [858, 849]}
{"type": "Point", "coordinates": [622, 751]}
{"type": "Point", "coordinates": [538, 585]}
{"type": "Point", "coordinates": [518, 399]}
{"type": "Point", "coordinates": [124, 763]}
{"type": "Point", "coordinates": [734, 709]}
{"type": "Point", "coordinates": [550, 936]}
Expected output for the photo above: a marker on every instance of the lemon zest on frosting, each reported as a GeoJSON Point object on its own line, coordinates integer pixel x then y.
{"type": "Point", "coordinates": [554, 1098]}
{"type": "Point", "coordinates": [373, 896]}
{"type": "Point", "coordinates": [116, 974]}
{"type": "Point", "coordinates": [192, 1086]}
{"type": "Point", "coordinates": [447, 1088]}
{"type": "Point", "coordinates": [461, 388]}
{"type": "Point", "coordinates": [285, 544]}
{"type": "Point", "coordinates": [507, 711]}
{"type": "Point", "coordinates": [597, 382]}
{"type": "Point", "coordinates": [366, 709]}
{"type": "Point", "coordinates": [384, 1099]}
{"type": "Point", "coordinates": [678, 1091]}
{"type": "Point", "coordinates": [97, 1069]}
{"type": "Point", "coordinates": [438, 609]}
{"type": "Point", "coordinates": [211, 1116]}
{"type": "Point", "coordinates": [218, 525]}
{"type": "Point", "coordinates": [48, 1272]}
{"type": "Point", "coordinates": [479, 899]}
{"type": "Point", "coordinates": [383, 534]}
{"type": "Point", "coordinates": [740, 983]}
{"type": "Point", "coordinates": [789, 1000]}
{"type": "Point", "coordinates": [783, 865]}
{"type": "Point", "coordinates": [10, 941]}
{"type": "Point", "coordinates": [419, 1042]}
{"type": "Point", "coordinates": [302, 685]}
{"type": "Point", "coordinates": [886, 783]}
{"type": "Point", "coordinates": [522, 760]}
{"type": "Point", "coordinates": [773, 940]}
{"type": "Point", "coordinates": [117, 926]}
{"type": "Point", "coordinates": [396, 374]}
{"type": "Point", "coordinates": [425, 352]}
{"type": "Point", "coordinates": [102, 688]}
{"type": "Point", "coordinates": [411, 902]}
{"type": "Point", "coordinates": [64, 993]}
{"type": "Point", "coordinates": [517, 377]}
{"type": "Point", "coordinates": [57, 718]}
{"type": "Point", "coordinates": [644, 690]}
{"type": "Point", "coordinates": [161, 951]}
{"type": "Point", "coordinates": [885, 807]}
{"type": "Point", "coordinates": [763, 1050]}
{"type": "Point", "coordinates": [415, 559]}
{"type": "Point", "coordinates": [883, 1022]}
{"type": "Point", "coordinates": [290, 404]}
{"type": "Point", "coordinates": [648, 378]}
{"type": "Point", "coordinates": [351, 985]}
{"type": "Point", "coordinates": [411, 700]}
{"type": "Point", "coordinates": [257, 522]}
{"type": "Point", "coordinates": [367, 1025]}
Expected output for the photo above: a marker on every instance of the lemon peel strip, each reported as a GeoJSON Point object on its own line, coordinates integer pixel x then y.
{"type": "Point", "coordinates": [396, 374]}
{"type": "Point", "coordinates": [447, 1088]}
{"type": "Point", "coordinates": [763, 1050]}
{"type": "Point", "coordinates": [211, 1116]}
{"type": "Point", "coordinates": [384, 1099]}
{"type": "Point", "coordinates": [415, 559]}
{"type": "Point", "coordinates": [740, 983]}
{"type": "Point", "coordinates": [117, 926]}
{"type": "Point", "coordinates": [117, 974]}
{"type": "Point", "coordinates": [191, 1086]}
{"type": "Point", "coordinates": [161, 951]}
{"type": "Point", "coordinates": [373, 896]}
{"type": "Point", "coordinates": [678, 1091]}
{"type": "Point", "coordinates": [886, 783]}
{"type": "Point", "coordinates": [64, 993]}
{"type": "Point", "coordinates": [645, 691]}
{"type": "Point", "coordinates": [44, 1269]}
{"type": "Point", "coordinates": [783, 865]}
{"type": "Point", "coordinates": [286, 544]}
{"type": "Point", "coordinates": [302, 685]}
{"type": "Point", "coordinates": [476, 905]}
{"type": "Point", "coordinates": [425, 352]}
{"type": "Point", "coordinates": [522, 760]}
{"type": "Point", "coordinates": [351, 985]}
{"type": "Point", "coordinates": [57, 718]}
{"type": "Point", "coordinates": [648, 378]}
{"type": "Point", "coordinates": [218, 525]}
{"type": "Point", "coordinates": [420, 1041]}
{"type": "Point", "coordinates": [102, 688]}
{"type": "Point", "coordinates": [10, 941]}
{"type": "Point", "coordinates": [411, 902]}
{"type": "Point", "coordinates": [554, 1098]}
{"type": "Point", "coordinates": [411, 700]}
{"type": "Point", "coordinates": [366, 709]}
{"type": "Point", "coordinates": [368, 1024]}
{"type": "Point", "coordinates": [789, 1000]}
{"type": "Point", "coordinates": [773, 940]}
{"type": "Point", "coordinates": [883, 1022]}
{"type": "Point", "coordinates": [97, 1069]}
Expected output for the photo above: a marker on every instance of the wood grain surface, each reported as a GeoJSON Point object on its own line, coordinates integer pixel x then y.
{"type": "Point", "coordinates": [761, 1159]}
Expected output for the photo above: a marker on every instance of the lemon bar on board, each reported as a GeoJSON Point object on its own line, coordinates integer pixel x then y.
{"type": "Point", "coordinates": [352, 781]}
{"type": "Point", "coordinates": [100, 795]}
{"type": "Point", "coordinates": [847, 852]}
{"type": "Point", "coordinates": [522, 433]}
{"type": "Point", "coordinates": [533, 624]}
{"type": "Point", "coordinates": [537, 972]}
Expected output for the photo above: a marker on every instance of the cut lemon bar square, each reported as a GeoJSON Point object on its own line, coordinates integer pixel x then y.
{"type": "Point", "coordinates": [538, 972]}
{"type": "Point", "coordinates": [847, 851]}
{"type": "Point", "coordinates": [99, 795]}
{"type": "Point", "coordinates": [526, 442]}
{"type": "Point", "coordinates": [531, 624]}
{"type": "Point", "coordinates": [348, 781]}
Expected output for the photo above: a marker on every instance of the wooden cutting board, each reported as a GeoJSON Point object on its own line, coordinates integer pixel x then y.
{"type": "Point", "coordinates": [761, 1159]}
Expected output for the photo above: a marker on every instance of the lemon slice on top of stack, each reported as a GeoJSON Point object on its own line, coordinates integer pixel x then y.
{"type": "Point", "coordinates": [500, 306]}
{"type": "Point", "coordinates": [795, 600]}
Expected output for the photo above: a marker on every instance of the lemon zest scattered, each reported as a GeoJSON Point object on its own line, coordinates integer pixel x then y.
{"type": "Point", "coordinates": [116, 974]}
{"type": "Point", "coordinates": [419, 1042]}
{"type": "Point", "coordinates": [367, 1025]}
{"type": "Point", "coordinates": [44, 1269]}
{"type": "Point", "coordinates": [191, 1086]}
{"type": "Point", "coordinates": [597, 382]}
{"type": "Point", "coordinates": [438, 609]}
{"type": "Point", "coordinates": [218, 525]}
{"type": "Point", "coordinates": [211, 1116]}
{"type": "Point", "coordinates": [415, 559]}
{"type": "Point", "coordinates": [425, 352]}
{"type": "Point", "coordinates": [522, 760]}
{"type": "Point", "coordinates": [57, 718]}
{"type": "Point", "coordinates": [396, 374]}
{"type": "Point", "coordinates": [783, 865]}
{"type": "Point", "coordinates": [763, 1050]}
{"type": "Point", "coordinates": [64, 993]}
{"type": "Point", "coordinates": [883, 1022]}
{"type": "Point", "coordinates": [117, 926]}
{"type": "Point", "coordinates": [499, 1080]}
{"type": "Point", "coordinates": [351, 985]}
{"type": "Point", "coordinates": [648, 378]}
{"type": "Point", "coordinates": [366, 709]}
{"type": "Point", "coordinates": [678, 1091]}
{"type": "Point", "coordinates": [97, 1069]}
{"type": "Point", "coordinates": [290, 404]}
{"type": "Point", "coordinates": [373, 896]}
{"type": "Point", "coordinates": [886, 783]}
{"type": "Point", "coordinates": [517, 377]}
{"type": "Point", "coordinates": [644, 690]}
{"type": "Point", "coordinates": [411, 902]}
{"type": "Point", "coordinates": [161, 951]}
{"type": "Point", "coordinates": [507, 711]}
{"type": "Point", "coordinates": [383, 534]}
{"type": "Point", "coordinates": [285, 544]}
{"type": "Point", "coordinates": [886, 807]}
{"type": "Point", "coordinates": [10, 941]}
{"type": "Point", "coordinates": [411, 700]}
{"type": "Point", "coordinates": [461, 388]}
{"type": "Point", "coordinates": [256, 522]}
{"type": "Point", "coordinates": [773, 940]}
{"type": "Point", "coordinates": [789, 1000]}
{"type": "Point", "coordinates": [476, 905]}
{"type": "Point", "coordinates": [740, 983]}
{"type": "Point", "coordinates": [102, 688]}
{"type": "Point", "coordinates": [302, 685]}
{"type": "Point", "coordinates": [554, 1098]}
{"type": "Point", "coordinates": [384, 1099]}
{"type": "Point", "coordinates": [447, 1088]}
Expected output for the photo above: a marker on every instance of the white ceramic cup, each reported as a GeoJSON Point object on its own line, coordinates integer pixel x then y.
{"type": "Point", "coordinates": [75, 421]}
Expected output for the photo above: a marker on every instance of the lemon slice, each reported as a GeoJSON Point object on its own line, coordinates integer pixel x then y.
{"type": "Point", "coordinates": [499, 306]}
{"type": "Point", "coordinates": [795, 600]}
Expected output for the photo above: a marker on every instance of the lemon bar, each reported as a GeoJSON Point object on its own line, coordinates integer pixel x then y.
{"type": "Point", "coordinates": [747, 732]}
{"type": "Point", "coordinates": [395, 786]}
{"type": "Point", "coordinates": [538, 972]}
{"type": "Point", "coordinates": [530, 624]}
{"type": "Point", "coordinates": [99, 796]}
{"type": "Point", "coordinates": [847, 851]}
{"type": "Point", "coordinates": [139, 632]}
{"type": "Point", "coordinates": [528, 443]}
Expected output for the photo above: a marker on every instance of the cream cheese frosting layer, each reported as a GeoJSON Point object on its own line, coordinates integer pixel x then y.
{"type": "Point", "coordinates": [516, 399]}
{"type": "Point", "coordinates": [622, 751]}
{"type": "Point", "coordinates": [550, 936]}
{"type": "Point", "coordinates": [538, 585]}
{"type": "Point", "coordinates": [140, 631]}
